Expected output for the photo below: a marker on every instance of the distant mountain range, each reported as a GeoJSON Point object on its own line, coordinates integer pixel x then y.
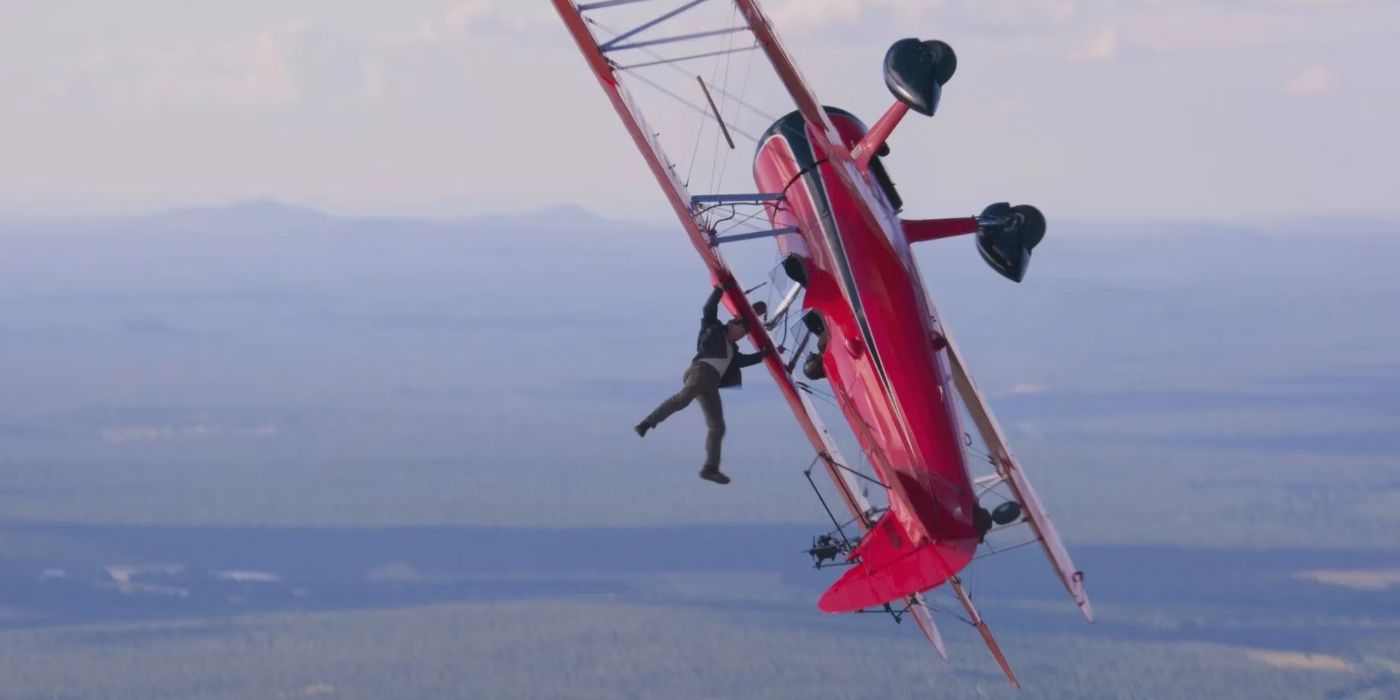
{"type": "Point", "coordinates": [273, 216]}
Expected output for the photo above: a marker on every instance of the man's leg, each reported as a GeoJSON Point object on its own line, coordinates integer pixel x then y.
{"type": "Point", "coordinates": [681, 399]}
{"type": "Point", "coordinates": [714, 437]}
{"type": "Point", "coordinates": [714, 421]}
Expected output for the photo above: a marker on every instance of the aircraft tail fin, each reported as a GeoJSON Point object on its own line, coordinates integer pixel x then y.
{"type": "Point", "coordinates": [890, 567]}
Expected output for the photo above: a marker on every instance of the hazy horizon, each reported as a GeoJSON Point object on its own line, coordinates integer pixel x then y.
{"type": "Point", "coordinates": [1307, 225]}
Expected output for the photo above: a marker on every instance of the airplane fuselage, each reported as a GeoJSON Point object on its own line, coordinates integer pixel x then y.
{"type": "Point", "coordinates": [882, 350]}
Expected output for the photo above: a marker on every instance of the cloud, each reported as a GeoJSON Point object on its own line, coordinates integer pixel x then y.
{"type": "Point", "coordinates": [1101, 46]}
{"type": "Point", "coordinates": [473, 17]}
{"type": "Point", "coordinates": [805, 14]}
{"type": "Point", "coordinates": [250, 72]}
{"type": "Point", "coordinates": [913, 15]}
{"type": "Point", "coordinates": [296, 62]}
{"type": "Point", "coordinates": [247, 72]}
{"type": "Point", "coordinates": [1312, 80]}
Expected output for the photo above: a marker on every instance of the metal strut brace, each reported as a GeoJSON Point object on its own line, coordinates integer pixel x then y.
{"type": "Point", "coordinates": [859, 475]}
{"type": "Point", "coordinates": [898, 615]}
{"type": "Point", "coordinates": [606, 3]}
{"type": "Point", "coordinates": [674, 39]}
{"type": "Point", "coordinates": [647, 25]}
{"type": "Point", "coordinates": [688, 58]}
{"type": "Point", "coordinates": [717, 240]}
{"type": "Point", "coordinates": [716, 109]}
{"type": "Point", "coordinates": [757, 198]}
{"type": "Point", "coordinates": [808, 473]}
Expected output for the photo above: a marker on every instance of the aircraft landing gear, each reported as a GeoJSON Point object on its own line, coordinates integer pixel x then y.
{"type": "Point", "coordinates": [1007, 513]}
{"type": "Point", "coordinates": [1006, 235]}
{"type": "Point", "coordinates": [812, 367]}
{"type": "Point", "coordinates": [915, 71]}
{"type": "Point", "coordinates": [1004, 514]}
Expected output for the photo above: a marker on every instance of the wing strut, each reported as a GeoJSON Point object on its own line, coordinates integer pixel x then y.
{"type": "Point", "coordinates": [923, 617]}
{"type": "Point", "coordinates": [613, 43]}
{"type": "Point", "coordinates": [718, 117]}
{"type": "Point", "coordinates": [716, 240]}
{"type": "Point", "coordinates": [981, 625]}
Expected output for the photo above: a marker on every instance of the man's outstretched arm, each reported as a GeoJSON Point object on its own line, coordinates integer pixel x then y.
{"type": "Point", "coordinates": [711, 310]}
{"type": "Point", "coordinates": [749, 359]}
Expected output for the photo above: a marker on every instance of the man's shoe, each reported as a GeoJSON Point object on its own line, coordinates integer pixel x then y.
{"type": "Point", "coordinates": [714, 475]}
{"type": "Point", "coordinates": [642, 428]}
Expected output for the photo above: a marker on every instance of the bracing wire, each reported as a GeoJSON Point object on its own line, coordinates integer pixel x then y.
{"type": "Point", "coordinates": [739, 105]}
{"type": "Point", "coordinates": [746, 221]}
{"type": "Point", "coordinates": [714, 75]}
{"type": "Point", "coordinates": [680, 70]}
{"type": "Point", "coordinates": [693, 106]}
{"type": "Point", "coordinates": [715, 159]}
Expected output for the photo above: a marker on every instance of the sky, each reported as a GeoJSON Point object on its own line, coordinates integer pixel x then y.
{"type": "Point", "coordinates": [1088, 108]}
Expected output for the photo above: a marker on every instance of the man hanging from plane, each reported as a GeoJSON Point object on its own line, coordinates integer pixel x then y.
{"type": "Point", "coordinates": [716, 365]}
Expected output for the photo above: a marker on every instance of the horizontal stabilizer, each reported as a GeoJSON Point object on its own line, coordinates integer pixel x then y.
{"type": "Point", "coordinates": [889, 567]}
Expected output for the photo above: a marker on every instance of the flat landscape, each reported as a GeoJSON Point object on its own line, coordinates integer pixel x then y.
{"type": "Point", "coordinates": [258, 451]}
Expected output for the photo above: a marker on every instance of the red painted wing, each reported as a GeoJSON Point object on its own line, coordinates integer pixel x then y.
{"type": "Point", "coordinates": [676, 193]}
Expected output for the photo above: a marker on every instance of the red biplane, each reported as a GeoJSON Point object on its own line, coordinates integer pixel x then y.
{"type": "Point", "coordinates": [867, 325]}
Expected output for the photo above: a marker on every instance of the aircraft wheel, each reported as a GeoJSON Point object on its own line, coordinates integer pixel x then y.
{"type": "Point", "coordinates": [1030, 222]}
{"type": "Point", "coordinates": [1007, 513]}
{"type": "Point", "coordinates": [812, 367]}
{"type": "Point", "coordinates": [915, 72]}
{"type": "Point", "coordinates": [945, 60]}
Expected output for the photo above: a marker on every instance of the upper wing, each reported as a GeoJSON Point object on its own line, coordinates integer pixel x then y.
{"type": "Point", "coordinates": [676, 192]}
{"type": "Point", "coordinates": [694, 212]}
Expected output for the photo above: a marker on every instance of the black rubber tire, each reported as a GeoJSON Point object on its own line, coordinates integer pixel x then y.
{"type": "Point", "coordinates": [945, 58]}
{"type": "Point", "coordinates": [1032, 224]}
{"type": "Point", "coordinates": [1007, 513]}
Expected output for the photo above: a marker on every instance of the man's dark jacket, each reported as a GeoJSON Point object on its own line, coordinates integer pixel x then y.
{"type": "Point", "coordinates": [711, 344]}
